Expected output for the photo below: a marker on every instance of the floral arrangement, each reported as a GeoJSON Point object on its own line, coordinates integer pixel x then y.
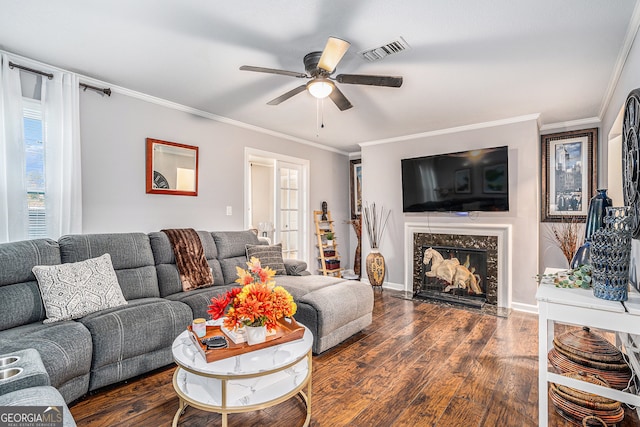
{"type": "Point", "coordinates": [258, 303]}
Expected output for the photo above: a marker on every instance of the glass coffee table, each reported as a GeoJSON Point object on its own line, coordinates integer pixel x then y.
{"type": "Point", "coordinates": [249, 382]}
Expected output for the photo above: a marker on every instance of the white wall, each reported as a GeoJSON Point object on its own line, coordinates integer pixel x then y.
{"type": "Point", "coordinates": [113, 131]}
{"type": "Point", "coordinates": [382, 185]}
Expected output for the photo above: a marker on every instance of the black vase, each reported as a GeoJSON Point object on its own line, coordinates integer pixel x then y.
{"type": "Point", "coordinates": [595, 220]}
{"type": "Point", "coordinates": [597, 211]}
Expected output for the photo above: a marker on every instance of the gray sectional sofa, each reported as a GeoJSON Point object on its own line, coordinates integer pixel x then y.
{"type": "Point", "coordinates": [115, 344]}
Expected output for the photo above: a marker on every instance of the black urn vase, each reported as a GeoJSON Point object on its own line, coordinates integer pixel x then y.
{"type": "Point", "coordinates": [595, 220]}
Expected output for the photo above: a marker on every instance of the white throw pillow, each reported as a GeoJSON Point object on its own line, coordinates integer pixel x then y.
{"type": "Point", "coordinates": [73, 290]}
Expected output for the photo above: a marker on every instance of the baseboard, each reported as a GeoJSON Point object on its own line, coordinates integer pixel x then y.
{"type": "Point", "coordinates": [527, 308]}
{"type": "Point", "coordinates": [393, 286]}
{"type": "Point", "coordinates": [386, 285]}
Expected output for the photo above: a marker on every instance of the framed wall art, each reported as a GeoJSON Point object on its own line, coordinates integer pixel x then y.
{"type": "Point", "coordinates": [569, 174]}
{"type": "Point", "coordinates": [356, 188]}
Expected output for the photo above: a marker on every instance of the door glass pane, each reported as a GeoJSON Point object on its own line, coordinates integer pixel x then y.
{"type": "Point", "coordinates": [293, 178]}
{"type": "Point", "coordinates": [284, 220]}
{"type": "Point", "coordinates": [284, 178]}
{"type": "Point", "coordinates": [284, 199]}
{"type": "Point", "coordinates": [293, 240]}
{"type": "Point", "coordinates": [293, 199]}
{"type": "Point", "coordinates": [293, 220]}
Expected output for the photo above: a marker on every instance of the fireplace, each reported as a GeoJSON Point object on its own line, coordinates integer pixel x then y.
{"type": "Point", "coordinates": [453, 274]}
{"type": "Point", "coordinates": [494, 238]}
{"type": "Point", "coordinates": [483, 258]}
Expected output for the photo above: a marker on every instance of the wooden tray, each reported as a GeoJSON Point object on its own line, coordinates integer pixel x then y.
{"type": "Point", "coordinates": [285, 332]}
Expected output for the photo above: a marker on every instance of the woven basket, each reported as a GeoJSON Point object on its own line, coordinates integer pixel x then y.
{"type": "Point", "coordinates": [577, 413]}
{"type": "Point", "coordinates": [586, 345]}
{"type": "Point", "coordinates": [616, 379]}
{"type": "Point", "coordinates": [582, 398]}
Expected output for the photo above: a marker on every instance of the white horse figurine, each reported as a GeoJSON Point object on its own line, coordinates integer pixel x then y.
{"type": "Point", "coordinates": [451, 271]}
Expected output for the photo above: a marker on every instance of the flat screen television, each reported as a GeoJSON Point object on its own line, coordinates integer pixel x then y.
{"type": "Point", "coordinates": [474, 180]}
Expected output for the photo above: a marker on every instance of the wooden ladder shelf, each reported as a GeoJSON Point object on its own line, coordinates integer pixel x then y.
{"type": "Point", "coordinates": [325, 258]}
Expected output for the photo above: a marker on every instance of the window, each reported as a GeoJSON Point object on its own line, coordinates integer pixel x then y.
{"type": "Point", "coordinates": [34, 167]}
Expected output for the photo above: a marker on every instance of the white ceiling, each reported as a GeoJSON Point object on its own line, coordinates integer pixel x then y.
{"type": "Point", "coordinates": [469, 62]}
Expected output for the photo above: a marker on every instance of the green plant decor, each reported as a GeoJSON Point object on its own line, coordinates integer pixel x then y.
{"type": "Point", "coordinates": [579, 277]}
{"type": "Point", "coordinates": [329, 235]}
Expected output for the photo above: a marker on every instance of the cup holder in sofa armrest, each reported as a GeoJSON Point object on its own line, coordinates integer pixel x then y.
{"type": "Point", "coordinates": [8, 360]}
{"type": "Point", "coordinates": [22, 369]}
{"type": "Point", "coordinates": [6, 374]}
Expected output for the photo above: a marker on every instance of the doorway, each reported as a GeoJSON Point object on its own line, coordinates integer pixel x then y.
{"type": "Point", "coordinates": [276, 200]}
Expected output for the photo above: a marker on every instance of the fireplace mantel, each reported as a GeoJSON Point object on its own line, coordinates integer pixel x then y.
{"type": "Point", "coordinates": [503, 232]}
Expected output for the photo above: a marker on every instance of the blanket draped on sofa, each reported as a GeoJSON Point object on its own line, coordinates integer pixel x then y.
{"type": "Point", "coordinates": [190, 260]}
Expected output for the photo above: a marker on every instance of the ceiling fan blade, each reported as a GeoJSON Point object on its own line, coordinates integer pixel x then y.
{"type": "Point", "coordinates": [339, 99]}
{"type": "Point", "coordinates": [273, 71]}
{"type": "Point", "coordinates": [287, 95]}
{"type": "Point", "coordinates": [361, 79]}
{"type": "Point", "coordinates": [333, 52]}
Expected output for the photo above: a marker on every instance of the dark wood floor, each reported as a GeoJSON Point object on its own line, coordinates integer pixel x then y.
{"type": "Point", "coordinates": [418, 364]}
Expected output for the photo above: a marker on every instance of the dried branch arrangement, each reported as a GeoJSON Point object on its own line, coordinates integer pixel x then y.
{"type": "Point", "coordinates": [566, 235]}
{"type": "Point", "coordinates": [375, 223]}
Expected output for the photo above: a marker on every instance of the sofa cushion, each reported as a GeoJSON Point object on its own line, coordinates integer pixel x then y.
{"type": "Point", "coordinates": [168, 276]}
{"type": "Point", "coordinates": [130, 254]}
{"type": "Point", "coordinates": [229, 266]}
{"type": "Point", "coordinates": [298, 286]}
{"type": "Point", "coordinates": [296, 267]}
{"type": "Point", "coordinates": [233, 243]}
{"type": "Point", "coordinates": [20, 302]}
{"type": "Point", "coordinates": [139, 328]}
{"type": "Point", "coordinates": [65, 350]}
{"type": "Point", "coordinates": [200, 299]}
{"type": "Point", "coordinates": [72, 290]}
{"type": "Point", "coordinates": [269, 256]}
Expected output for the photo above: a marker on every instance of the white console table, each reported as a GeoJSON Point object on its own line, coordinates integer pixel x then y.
{"type": "Point", "coordinates": [579, 307]}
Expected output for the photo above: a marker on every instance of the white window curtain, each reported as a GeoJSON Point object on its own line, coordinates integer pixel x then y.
{"type": "Point", "coordinates": [61, 131]}
{"type": "Point", "coordinates": [14, 224]}
{"type": "Point", "coordinates": [61, 137]}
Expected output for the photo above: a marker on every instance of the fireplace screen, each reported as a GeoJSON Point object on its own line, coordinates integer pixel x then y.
{"type": "Point", "coordinates": [454, 274]}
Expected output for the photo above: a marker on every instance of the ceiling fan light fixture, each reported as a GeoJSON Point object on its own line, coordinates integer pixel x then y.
{"type": "Point", "coordinates": [320, 88]}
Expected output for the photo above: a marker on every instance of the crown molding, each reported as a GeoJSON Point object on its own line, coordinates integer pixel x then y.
{"type": "Point", "coordinates": [587, 122]}
{"type": "Point", "coordinates": [457, 129]}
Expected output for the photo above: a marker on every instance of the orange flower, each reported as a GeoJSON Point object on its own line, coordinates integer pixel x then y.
{"type": "Point", "coordinates": [257, 303]}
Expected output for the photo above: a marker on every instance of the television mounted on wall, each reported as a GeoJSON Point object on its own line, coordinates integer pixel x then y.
{"type": "Point", "coordinates": [466, 181]}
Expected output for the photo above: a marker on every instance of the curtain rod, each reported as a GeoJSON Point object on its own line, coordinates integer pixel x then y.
{"type": "Point", "coordinates": [31, 70]}
{"type": "Point", "coordinates": [106, 91]}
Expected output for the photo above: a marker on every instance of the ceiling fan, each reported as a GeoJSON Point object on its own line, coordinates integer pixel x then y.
{"type": "Point", "coordinates": [320, 66]}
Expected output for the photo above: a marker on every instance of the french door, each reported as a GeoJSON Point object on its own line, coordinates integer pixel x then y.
{"type": "Point", "coordinates": [286, 208]}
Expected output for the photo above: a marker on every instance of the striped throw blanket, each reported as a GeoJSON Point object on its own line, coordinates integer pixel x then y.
{"type": "Point", "coordinates": [190, 260]}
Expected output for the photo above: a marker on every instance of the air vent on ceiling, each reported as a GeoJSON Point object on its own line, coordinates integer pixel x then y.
{"type": "Point", "coordinates": [390, 48]}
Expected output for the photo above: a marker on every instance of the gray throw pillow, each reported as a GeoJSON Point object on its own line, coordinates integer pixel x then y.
{"type": "Point", "coordinates": [75, 289]}
{"type": "Point", "coordinates": [269, 256]}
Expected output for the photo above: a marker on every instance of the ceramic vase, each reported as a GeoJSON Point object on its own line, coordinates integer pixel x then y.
{"type": "Point", "coordinates": [375, 267]}
{"type": "Point", "coordinates": [595, 220]}
{"type": "Point", "coordinates": [256, 334]}
{"type": "Point", "coordinates": [611, 254]}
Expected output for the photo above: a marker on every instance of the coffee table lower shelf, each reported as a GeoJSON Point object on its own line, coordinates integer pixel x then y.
{"type": "Point", "coordinates": [258, 380]}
